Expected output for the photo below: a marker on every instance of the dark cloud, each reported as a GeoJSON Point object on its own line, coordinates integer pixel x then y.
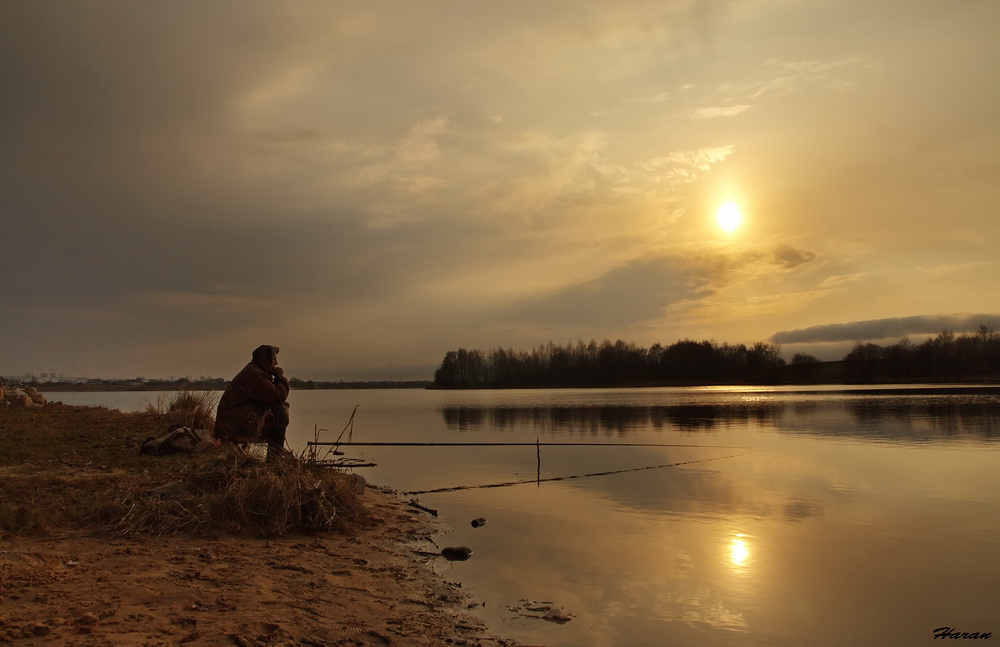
{"type": "Point", "coordinates": [895, 327]}
{"type": "Point", "coordinates": [108, 261]}
{"type": "Point", "coordinates": [623, 296]}
{"type": "Point", "coordinates": [788, 257]}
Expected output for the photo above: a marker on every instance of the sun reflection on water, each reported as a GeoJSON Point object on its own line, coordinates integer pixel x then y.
{"type": "Point", "coordinates": [739, 551]}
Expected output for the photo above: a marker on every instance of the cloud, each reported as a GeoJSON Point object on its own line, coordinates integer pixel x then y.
{"type": "Point", "coordinates": [722, 111]}
{"type": "Point", "coordinates": [951, 268]}
{"type": "Point", "coordinates": [406, 157]}
{"type": "Point", "coordinates": [788, 76]}
{"type": "Point", "coordinates": [686, 166]}
{"type": "Point", "coordinates": [843, 279]}
{"type": "Point", "coordinates": [788, 257]}
{"type": "Point", "coordinates": [876, 329]}
{"type": "Point", "coordinates": [657, 98]}
{"type": "Point", "coordinates": [557, 173]}
{"type": "Point", "coordinates": [623, 296]}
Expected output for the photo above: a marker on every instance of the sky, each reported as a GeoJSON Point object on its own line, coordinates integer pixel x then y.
{"type": "Point", "coordinates": [368, 185]}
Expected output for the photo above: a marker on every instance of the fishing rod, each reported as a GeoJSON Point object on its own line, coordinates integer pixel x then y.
{"type": "Point", "coordinates": [566, 478]}
{"type": "Point", "coordinates": [336, 443]}
{"type": "Point", "coordinates": [520, 444]}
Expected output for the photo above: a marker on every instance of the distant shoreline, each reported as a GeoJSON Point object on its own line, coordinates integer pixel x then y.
{"type": "Point", "coordinates": [215, 385]}
{"type": "Point", "coordinates": [219, 385]}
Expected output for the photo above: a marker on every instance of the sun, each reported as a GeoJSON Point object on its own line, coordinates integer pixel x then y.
{"type": "Point", "coordinates": [728, 216]}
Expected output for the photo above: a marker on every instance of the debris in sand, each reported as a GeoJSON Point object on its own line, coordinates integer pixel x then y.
{"type": "Point", "coordinates": [451, 553]}
{"type": "Point", "coordinates": [542, 611]}
{"type": "Point", "coordinates": [456, 553]}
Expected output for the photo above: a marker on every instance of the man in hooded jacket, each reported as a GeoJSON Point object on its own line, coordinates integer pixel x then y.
{"type": "Point", "coordinates": [253, 407]}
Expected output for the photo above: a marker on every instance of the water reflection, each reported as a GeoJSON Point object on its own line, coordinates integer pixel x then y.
{"type": "Point", "coordinates": [609, 420]}
{"type": "Point", "coordinates": [893, 416]}
{"type": "Point", "coordinates": [738, 551]}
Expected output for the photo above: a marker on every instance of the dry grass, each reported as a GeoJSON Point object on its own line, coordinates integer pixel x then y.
{"type": "Point", "coordinates": [237, 494]}
{"type": "Point", "coordinates": [65, 469]}
{"type": "Point", "coordinates": [192, 409]}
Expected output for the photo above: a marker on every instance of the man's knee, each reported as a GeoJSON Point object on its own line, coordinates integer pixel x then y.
{"type": "Point", "coordinates": [276, 417]}
{"type": "Point", "coordinates": [279, 416]}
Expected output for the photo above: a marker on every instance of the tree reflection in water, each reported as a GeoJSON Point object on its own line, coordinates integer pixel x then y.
{"type": "Point", "coordinates": [937, 416]}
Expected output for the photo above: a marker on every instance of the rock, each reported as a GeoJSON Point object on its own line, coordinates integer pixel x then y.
{"type": "Point", "coordinates": [15, 396]}
{"type": "Point", "coordinates": [456, 553]}
{"type": "Point", "coordinates": [357, 483]}
{"type": "Point", "coordinates": [476, 523]}
{"type": "Point", "coordinates": [557, 615]}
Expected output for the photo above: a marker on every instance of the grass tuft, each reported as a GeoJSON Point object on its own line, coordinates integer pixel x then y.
{"type": "Point", "coordinates": [192, 409]}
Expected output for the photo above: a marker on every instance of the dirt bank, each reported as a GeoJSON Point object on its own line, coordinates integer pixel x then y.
{"type": "Point", "coordinates": [71, 586]}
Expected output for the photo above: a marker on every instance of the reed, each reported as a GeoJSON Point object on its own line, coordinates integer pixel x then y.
{"type": "Point", "coordinates": [192, 409]}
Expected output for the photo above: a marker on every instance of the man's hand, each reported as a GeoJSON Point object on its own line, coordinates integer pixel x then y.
{"type": "Point", "coordinates": [277, 371]}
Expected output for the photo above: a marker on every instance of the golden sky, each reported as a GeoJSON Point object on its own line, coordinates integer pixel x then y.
{"type": "Point", "coordinates": [370, 184]}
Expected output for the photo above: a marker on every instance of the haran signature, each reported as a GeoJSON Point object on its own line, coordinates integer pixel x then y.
{"type": "Point", "coordinates": [950, 632]}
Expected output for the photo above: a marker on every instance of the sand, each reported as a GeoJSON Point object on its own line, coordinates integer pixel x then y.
{"type": "Point", "coordinates": [363, 588]}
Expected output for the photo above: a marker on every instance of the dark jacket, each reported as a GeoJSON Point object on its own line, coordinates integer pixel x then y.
{"type": "Point", "coordinates": [254, 390]}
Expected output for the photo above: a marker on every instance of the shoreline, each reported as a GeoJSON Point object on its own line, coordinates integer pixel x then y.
{"type": "Point", "coordinates": [84, 585]}
{"type": "Point", "coordinates": [366, 587]}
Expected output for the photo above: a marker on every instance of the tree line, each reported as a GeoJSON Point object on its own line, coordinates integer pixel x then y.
{"type": "Point", "coordinates": [946, 357]}
{"type": "Point", "coordinates": [617, 363]}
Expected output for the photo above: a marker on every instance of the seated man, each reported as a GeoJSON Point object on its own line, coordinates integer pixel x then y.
{"type": "Point", "coordinates": [253, 407]}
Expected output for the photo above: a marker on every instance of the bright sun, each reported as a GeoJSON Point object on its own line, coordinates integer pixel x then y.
{"type": "Point", "coordinates": [728, 216]}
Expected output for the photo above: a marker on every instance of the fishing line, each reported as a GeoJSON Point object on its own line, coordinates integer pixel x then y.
{"type": "Point", "coordinates": [566, 478]}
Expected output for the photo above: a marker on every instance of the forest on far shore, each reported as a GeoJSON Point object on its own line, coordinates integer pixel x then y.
{"type": "Point", "coordinates": [944, 358]}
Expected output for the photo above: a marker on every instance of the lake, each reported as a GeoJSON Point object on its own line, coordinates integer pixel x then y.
{"type": "Point", "coordinates": [750, 516]}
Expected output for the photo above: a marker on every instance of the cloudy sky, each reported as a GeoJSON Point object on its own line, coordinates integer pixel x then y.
{"type": "Point", "coordinates": [370, 184]}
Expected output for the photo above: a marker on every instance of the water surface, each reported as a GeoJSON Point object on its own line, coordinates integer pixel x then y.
{"type": "Point", "coordinates": [788, 517]}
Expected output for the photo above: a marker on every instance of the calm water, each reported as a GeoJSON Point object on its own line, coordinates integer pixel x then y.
{"type": "Point", "coordinates": [868, 517]}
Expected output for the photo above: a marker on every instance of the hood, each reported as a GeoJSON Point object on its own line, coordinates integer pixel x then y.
{"type": "Point", "coordinates": [264, 356]}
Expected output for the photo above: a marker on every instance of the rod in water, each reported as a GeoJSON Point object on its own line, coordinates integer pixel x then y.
{"type": "Point", "coordinates": [566, 478]}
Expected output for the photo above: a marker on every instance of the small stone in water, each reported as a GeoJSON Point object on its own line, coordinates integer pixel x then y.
{"type": "Point", "coordinates": [557, 615]}
{"type": "Point", "coordinates": [456, 553]}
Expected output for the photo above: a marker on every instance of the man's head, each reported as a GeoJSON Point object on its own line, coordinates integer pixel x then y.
{"type": "Point", "coordinates": [266, 357]}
